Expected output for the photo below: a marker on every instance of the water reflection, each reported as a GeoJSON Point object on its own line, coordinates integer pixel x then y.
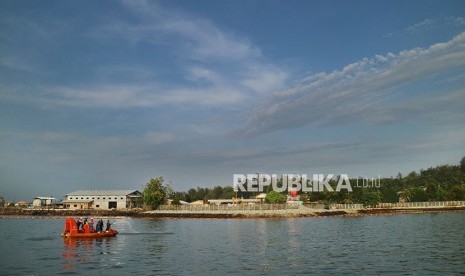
{"type": "Point", "coordinates": [262, 240]}
{"type": "Point", "coordinates": [85, 252]}
{"type": "Point", "coordinates": [293, 234]}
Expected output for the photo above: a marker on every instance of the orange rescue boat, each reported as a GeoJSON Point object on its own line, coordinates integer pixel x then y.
{"type": "Point", "coordinates": [71, 231]}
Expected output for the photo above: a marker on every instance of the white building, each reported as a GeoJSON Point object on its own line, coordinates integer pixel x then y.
{"type": "Point", "coordinates": [102, 199]}
{"type": "Point", "coordinates": [42, 201]}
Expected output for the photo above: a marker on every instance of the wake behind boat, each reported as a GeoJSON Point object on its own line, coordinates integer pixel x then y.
{"type": "Point", "coordinates": [73, 230]}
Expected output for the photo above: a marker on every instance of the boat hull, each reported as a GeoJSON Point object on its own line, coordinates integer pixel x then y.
{"type": "Point", "coordinates": [109, 233]}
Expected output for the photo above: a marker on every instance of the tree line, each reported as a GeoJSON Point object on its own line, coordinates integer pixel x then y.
{"type": "Point", "coordinates": [440, 183]}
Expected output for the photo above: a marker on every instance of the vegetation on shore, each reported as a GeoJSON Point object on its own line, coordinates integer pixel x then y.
{"type": "Point", "coordinates": [155, 193]}
{"type": "Point", "coordinates": [440, 183]}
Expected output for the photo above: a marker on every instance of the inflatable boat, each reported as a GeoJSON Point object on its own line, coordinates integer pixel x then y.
{"type": "Point", "coordinates": [71, 231]}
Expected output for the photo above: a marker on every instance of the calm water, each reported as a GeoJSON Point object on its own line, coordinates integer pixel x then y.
{"type": "Point", "coordinates": [402, 244]}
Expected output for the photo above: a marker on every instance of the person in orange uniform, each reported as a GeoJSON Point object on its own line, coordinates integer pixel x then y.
{"type": "Point", "coordinates": [86, 228]}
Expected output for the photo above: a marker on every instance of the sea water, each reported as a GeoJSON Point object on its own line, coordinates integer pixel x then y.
{"type": "Point", "coordinates": [420, 244]}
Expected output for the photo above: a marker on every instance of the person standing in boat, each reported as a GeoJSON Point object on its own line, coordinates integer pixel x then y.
{"type": "Point", "coordinates": [97, 227]}
{"type": "Point", "coordinates": [79, 224]}
{"type": "Point", "coordinates": [108, 225]}
{"type": "Point", "coordinates": [100, 225]}
{"type": "Point", "coordinates": [92, 225]}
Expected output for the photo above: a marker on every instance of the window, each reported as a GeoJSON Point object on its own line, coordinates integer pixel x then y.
{"type": "Point", "coordinates": [87, 197]}
{"type": "Point", "coordinates": [121, 198]}
{"type": "Point", "coordinates": [98, 197]}
{"type": "Point", "coordinates": [92, 197]}
{"type": "Point", "coordinates": [97, 206]}
{"type": "Point", "coordinates": [103, 198]}
{"type": "Point", "coordinates": [116, 197]}
{"type": "Point", "coordinates": [82, 198]}
{"type": "Point", "coordinates": [75, 205]}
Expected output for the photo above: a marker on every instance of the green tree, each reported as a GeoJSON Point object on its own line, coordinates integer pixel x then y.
{"type": "Point", "coordinates": [406, 194]}
{"type": "Point", "coordinates": [215, 193]}
{"type": "Point", "coordinates": [228, 192]}
{"type": "Point", "coordinates": [192, 195]}
{"type": "Point", "coordinates": [369, 197]}
{"type": "Point", "coordinates": [457, 192]}
{"type": "Point", "coordinates": [432, 190]}
{"type": "Point", "coordinates": [169, 191]}
{"type": "Point", "coordinates": [275, 197]}
{"type": "Point", "coordinates": [419, 194]}
{"type": "Point", "coordinates": [462, 165]}
{"type": "Point", "coordinates": [177, 197]}
{"type": "Point", "coordinates": [390, 195]}
{"type": "Point", "coordinates": [441, 195]}
{"type": "Point", "coordinates": [154, 193]}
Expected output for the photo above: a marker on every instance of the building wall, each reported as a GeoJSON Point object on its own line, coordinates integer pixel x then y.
{"type": "Point", "coordinates": [77, 206]}
{"type": "Point", "coordinates": [102, 202]}
{"type": "Point", "coordinates": [109, 202]}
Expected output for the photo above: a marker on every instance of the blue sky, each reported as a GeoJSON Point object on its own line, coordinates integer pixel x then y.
{"type": "Point", "coordinates": [108, 94]}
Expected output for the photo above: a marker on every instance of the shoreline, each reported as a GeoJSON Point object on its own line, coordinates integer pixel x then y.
{"type": "Point", "coordinates": [242, 214]}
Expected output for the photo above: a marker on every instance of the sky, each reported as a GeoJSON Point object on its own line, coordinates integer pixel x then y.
{"type": "Point", "coordinates": [108, 94]}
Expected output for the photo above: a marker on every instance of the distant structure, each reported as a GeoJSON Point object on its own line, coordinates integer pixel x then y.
{"type": "Point", "coordinates": [102, 199]}
{"type": "Point", "coordinates": [293, 196]}
{"type": "Point", "coordinates": [43, 201]}
{"type": "Point", "coordinates": [228, 201]}
{"type": "Point", "coordinates": [234, 200]}
{"type": "Point", "coordinates": [21, 204]}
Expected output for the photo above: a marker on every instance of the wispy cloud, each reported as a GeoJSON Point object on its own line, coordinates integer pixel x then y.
{"type": "Point", "coordinates": [202, 40]}
{"type": "Point", "coordinates": [129, 96]}
{"type": "Point", "coordinates": [371, 90]}
{"type": "Point", "coordinates": [429, 24]}
{"type": "Point", "coordinates": [100, 96]}
{"type": "Point", "coordinates": [457, 20]}
{"type": "Point", "coordinates": [265, 78]}
{"type": "Point", "coordinates": [425, 24]}
{"type": "Point", "coordinates": [208, 42]}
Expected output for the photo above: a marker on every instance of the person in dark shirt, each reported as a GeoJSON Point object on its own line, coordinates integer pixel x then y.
{"type": "Point", "coordinates": [79, 224]}
{"type": "Point", "coordinates": [100, 225]}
